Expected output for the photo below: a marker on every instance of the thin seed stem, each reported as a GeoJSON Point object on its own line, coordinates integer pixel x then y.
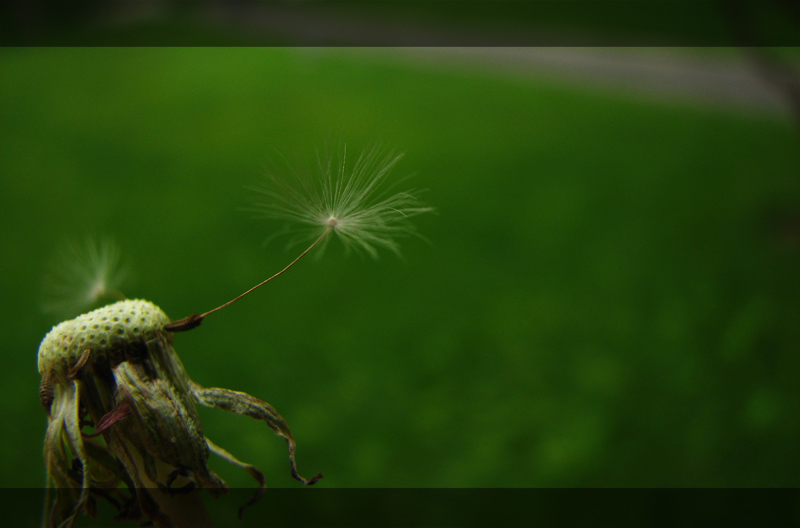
{"type": "Point", "coordinates": [260, 284]}
{"type": "Point", "coordinates": [193, 321]}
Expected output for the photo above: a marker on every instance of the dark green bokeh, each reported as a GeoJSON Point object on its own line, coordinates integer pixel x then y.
{"type": "Point", "coordinates": [610, 296]}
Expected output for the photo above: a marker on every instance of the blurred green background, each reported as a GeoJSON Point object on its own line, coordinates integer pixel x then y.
{"type": "Point", "coordinates": [609, 296]}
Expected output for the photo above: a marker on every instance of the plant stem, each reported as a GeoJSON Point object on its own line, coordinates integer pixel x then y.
{"type": "Point", "coordinates": [185, 509]}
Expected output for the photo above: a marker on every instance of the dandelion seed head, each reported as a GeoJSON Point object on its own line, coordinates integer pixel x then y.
{"type": "Point", "coordinates": [352, 199]}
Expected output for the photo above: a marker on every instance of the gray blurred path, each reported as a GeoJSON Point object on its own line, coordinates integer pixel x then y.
{"type": "Point", "coordinates": [722, 80]}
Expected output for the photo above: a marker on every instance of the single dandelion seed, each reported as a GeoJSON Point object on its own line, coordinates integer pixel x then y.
{"type": "Point", "coordinates": [354, 202]}
{"type": "Point", "coordinates": [83, 276]}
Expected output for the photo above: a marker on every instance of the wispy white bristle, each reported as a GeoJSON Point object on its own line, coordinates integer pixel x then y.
{"type": "Point", "coordinates": [353, 200]}
{"type": "Point", "coordinates": [82, 276]}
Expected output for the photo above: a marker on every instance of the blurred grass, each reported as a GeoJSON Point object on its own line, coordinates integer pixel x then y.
{"type": "Point", "coordinates": [609, 297]}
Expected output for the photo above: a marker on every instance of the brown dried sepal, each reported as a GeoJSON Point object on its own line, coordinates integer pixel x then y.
{"type": "Point", "coordinates": [185, 324]}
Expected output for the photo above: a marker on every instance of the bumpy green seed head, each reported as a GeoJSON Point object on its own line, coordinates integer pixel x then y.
{"type": "Point", "coordinates": [113, 372]}
{"type": "Point", "coordinates": [100, 330]}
